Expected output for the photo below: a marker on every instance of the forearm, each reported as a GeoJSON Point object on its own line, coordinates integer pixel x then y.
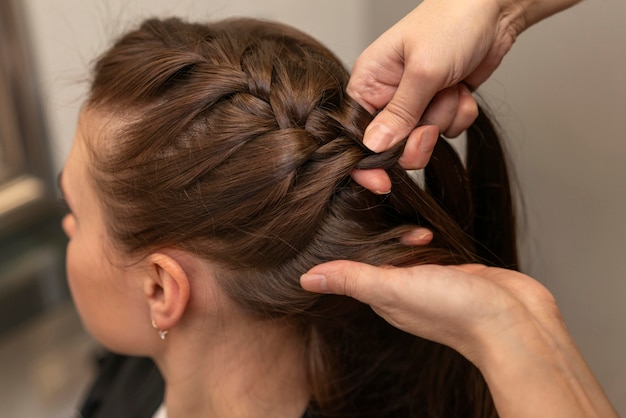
{"type": "Point", "coordinates": [525, 13]}
{"type": "Point", "coordinates": [535, 371]}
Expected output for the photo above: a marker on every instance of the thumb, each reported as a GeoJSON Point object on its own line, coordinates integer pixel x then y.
{"type": "Point", "coordinates": [401, 115]}
{"type": "Point", "coordinates": [342, 277]}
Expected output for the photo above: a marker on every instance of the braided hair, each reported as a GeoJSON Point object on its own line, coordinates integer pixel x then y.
{"type": "Point", "coordinates": [234, 141]}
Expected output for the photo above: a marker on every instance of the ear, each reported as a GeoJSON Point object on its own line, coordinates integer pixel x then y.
{"type": "Point", "coordinates": [166, 288]}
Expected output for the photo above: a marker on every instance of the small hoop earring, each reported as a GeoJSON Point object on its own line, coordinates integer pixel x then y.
{"type": "Point", "coordinates": [162, 332]}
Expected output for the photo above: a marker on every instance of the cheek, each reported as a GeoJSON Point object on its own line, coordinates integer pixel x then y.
{"type": "Point", "coordinates": [82, 283]}
{"type": "Point", "coordinates": [88, 270]}
{"type": "Point", "coordinates": [75, 267]}
{"type": "Point", "coordinates": [110, 309]}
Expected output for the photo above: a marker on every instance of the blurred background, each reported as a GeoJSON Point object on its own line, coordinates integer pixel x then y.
{"type": "Point", "coordinates": [560, 98]}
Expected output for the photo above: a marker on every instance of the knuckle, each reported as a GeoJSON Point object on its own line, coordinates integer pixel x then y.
{"type": "Point", "coordinates": [400, 114]}
{"type": "Point", "coordinates": [350, 287]}
{"type": "Point", "coordinates": [429, 72]}
{"type": "Point", "coordinates": [468, 107]}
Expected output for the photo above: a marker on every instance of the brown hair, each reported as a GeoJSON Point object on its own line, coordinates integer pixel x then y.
{"type": "Point", "coordinates": [236, 144]}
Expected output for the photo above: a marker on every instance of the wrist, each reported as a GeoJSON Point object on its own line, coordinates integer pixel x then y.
{"type": "Point", "coordinates": [532, 367]}
{"type": "Point", "coordinates": [512, 333]}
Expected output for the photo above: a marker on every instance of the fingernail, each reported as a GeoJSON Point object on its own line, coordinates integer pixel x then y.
{"type": "Point", "coordinates": [429, 138]}
{"type": "Point", "coordinates": [378, 137]}
{"type": "Point", "coordinates": [418, 236]}
{"type": "Point", "coordinates": [314, 283]}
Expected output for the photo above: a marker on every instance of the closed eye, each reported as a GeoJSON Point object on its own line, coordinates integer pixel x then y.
{"type": "Point", "coordinates": [62, 204]}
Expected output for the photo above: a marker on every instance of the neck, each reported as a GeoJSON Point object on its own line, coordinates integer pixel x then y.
{"type": "Point", "coordinates": [250, 368]}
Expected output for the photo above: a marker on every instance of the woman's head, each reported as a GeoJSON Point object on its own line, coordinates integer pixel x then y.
{"type": "Point", "coordinates": [233, 142]}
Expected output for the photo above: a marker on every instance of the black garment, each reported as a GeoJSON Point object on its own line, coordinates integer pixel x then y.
{"type": "Point", "coordinates": [128, 387]}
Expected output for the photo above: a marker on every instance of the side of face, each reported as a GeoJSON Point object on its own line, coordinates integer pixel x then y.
{"type": "Point", "coordinates": [106, 288]}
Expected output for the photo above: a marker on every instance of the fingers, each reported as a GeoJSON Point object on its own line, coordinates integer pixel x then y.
{"type": "Point", "coordinates": [377, 73]}
{"type": "Point", "coordinates": [348, 278]}
{"type": "Point", "coordinates": [367, 84]}
{"type": "Point", "coordinates": [419, 147]}
{"type": "Point", "coordinates": [417, 152]}
{"type": "Point", "coordinates": [417, 236]}
{"type": "Point", "coordinates": [441, 303]}
{"type": "Point", "coordinates": [466, 112]}
{"type": "Point", "coordinates": [442, 108]}
{"type": "Point", "coordinates": [452, 110]}
{"type": "Point", "coordinates": [375, 180]}
{"type": "Point", "coordinates": [400, 116]}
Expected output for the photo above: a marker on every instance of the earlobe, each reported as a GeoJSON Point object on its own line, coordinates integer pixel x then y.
{"type": "Point", "coordinates": [167, 290]}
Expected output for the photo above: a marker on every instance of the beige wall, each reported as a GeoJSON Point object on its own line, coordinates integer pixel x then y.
{"type": "Point", "coordinates": [563, 91]}
{"type": "Point", "coordinates": [560, 96]}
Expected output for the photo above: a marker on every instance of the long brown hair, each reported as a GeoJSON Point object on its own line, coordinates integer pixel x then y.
{"type": "Point", "coordinates": [236, 143]}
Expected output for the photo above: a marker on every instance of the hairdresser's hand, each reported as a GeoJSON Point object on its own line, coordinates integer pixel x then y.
{"type": "Point", "coordinates": [503, 321]}
{"type": "Point", "coordinates": [418, 73]}
{"type": "Point", "coordinates": [459, 306]}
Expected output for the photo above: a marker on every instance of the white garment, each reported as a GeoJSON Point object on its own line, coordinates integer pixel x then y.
{"type": "Point", "coordinates": [161, 412]}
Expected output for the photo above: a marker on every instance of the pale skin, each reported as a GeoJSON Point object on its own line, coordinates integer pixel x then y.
{"type": "Point", "coordinates": [215, 354]}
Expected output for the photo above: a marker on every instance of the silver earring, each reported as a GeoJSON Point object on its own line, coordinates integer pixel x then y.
{"type": "Point", "coordinates": [162, 332]}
